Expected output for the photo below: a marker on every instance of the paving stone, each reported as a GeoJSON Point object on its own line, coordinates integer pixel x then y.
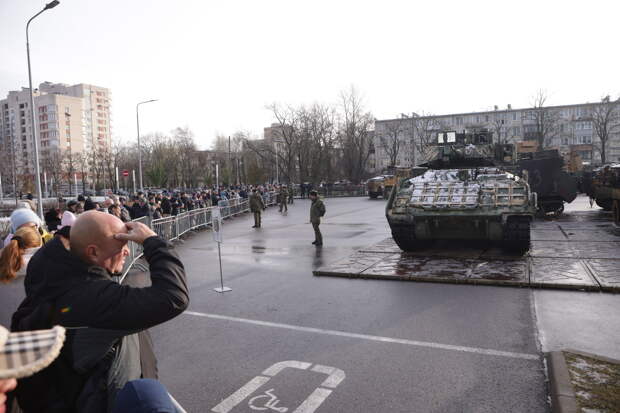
{"type": "Point", "coordinates": [501, 272]}
{"type": "Point", "coordinates": [553, 249]}
{"type": "Point", "coordinates": [387, 246]}
{"type": "Point", "coordinates": [351, 265]}
{"type": "Point", "coordinates": [602, 250]}
{"type": "Point", "coordinates": [406, 266]}
{"type": "Point", "coordinates": [500, 254]}
{"type": "Point", "coordinates": [607, 272]}
{"type": "Point", "coordinates": [397, 266]}
{"type": "Point", "coordinates": [592, 235]}
{"type": "Point", "coordinates": [548, 234]}
{"type": "Point", "coordinates": [561, 272]}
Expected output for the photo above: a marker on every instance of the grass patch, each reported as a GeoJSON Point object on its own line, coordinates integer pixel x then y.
{"type": "Point", "coordinates": [596, 383]}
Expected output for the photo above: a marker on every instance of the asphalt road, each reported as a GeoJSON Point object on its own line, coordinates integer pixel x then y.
{"type": "Point", "coordinates": [353, 345]}
{"type": "Point", "coordinates": [402, 347]}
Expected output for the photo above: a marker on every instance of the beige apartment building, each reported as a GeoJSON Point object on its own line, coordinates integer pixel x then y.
{"type": "Point", "coordinates": [573, 131]}
{"type": "Point", "coordinates": [69, 120]}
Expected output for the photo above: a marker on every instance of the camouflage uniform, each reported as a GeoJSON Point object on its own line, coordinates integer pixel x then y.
{"type": "Point", "coordinates": [283, 195]}
{"type": "Point", "coordinates": [317, 210]}
{"type": "Point", "coordinates": [291, 194]}
{"type": "Point", "coordinates": [256, 206]}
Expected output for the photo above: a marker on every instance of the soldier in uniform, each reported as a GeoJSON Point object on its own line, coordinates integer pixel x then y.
{"type": "Point", "coordinates": [291, 194]}
{"type": "Point", "coordinates": [256, 206]}
{"type": "Point", "coordinates": [317, 210]}
{"type": "Point", "coordinates": [283, 196]}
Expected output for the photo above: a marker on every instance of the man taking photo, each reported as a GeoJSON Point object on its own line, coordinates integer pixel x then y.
{"type": "Point", "coordinates": [106, 346]}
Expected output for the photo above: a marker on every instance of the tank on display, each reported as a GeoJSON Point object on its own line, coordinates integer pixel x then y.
{"type": "Point", "coordinates": [463, 192]}
{"type": "Point", "coordinates": [546, 176]}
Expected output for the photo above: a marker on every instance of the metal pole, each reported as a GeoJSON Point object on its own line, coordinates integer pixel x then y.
{"type": "Point", "coordinates": [139, 150]}
{"type": "Point", "coordinates": [217, 177]}
{"type": "Point", "coordinates": [133, 172]}
{"type": "Point", "coordinates": [37, 179]}
{"type": "Point", "coordinates": [45, 180]}
{"type": "Point", "coordinates": [219, 254]}
{"type": "Point", "coordinates": [1, 191]}
{"type": "Point", "coordinates": [75, 183]}
{"type": "Point", "coordinates": [116, 176]}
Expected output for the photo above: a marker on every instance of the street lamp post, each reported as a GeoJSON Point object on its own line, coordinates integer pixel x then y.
{"type": "Point", "coordinates": [37, 170]}
{"type": "Point", "coordinates": [139, 148]}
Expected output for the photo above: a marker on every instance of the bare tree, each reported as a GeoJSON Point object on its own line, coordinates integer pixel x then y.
{"type": "Point", "coordinates": [545, 120]}
{"type": "Point", "coordinates": [500, 129]}
{"type": "Point", "coordinates": [605, 121]}
{"type": "Point", "coordinates": [354, 137]}
{"type": "Point", "coordinates": [425, 128]}
{"type": "Point", "coordinates": [390, 140]}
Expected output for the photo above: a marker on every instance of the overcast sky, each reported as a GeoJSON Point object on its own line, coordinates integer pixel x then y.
{"type": "Point", "coordinates": [215, 65]}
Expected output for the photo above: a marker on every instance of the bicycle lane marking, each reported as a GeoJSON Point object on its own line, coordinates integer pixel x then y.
{"type": "Point", "coordinates": [368, 337]}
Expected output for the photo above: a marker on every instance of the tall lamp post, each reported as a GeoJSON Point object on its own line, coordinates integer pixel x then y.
{"type": "Point", "coordinates": [139, 148]}
{"type": "Point", "coordinates": [37, 170]}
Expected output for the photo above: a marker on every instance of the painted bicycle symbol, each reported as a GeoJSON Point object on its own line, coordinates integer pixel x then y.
{"type": "Point", "coordinates": [270, 404]}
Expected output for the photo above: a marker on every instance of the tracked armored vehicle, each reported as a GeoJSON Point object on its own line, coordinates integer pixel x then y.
{"type": "Point", "coordinates": [553, 186]}
{"type": "Point", "coordinates": [463, 192]}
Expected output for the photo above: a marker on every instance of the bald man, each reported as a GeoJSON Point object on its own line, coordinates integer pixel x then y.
{"type": "Point", "coordinates": [75, 289]}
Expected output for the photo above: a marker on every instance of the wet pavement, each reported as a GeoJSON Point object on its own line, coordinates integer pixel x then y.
{"type": "Point", "coordinates": [362, 345]}
{"type": "Point", "coordinates": [578, 250]}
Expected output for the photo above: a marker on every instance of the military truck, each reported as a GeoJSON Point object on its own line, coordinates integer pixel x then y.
{"type": "Point", "coordinates": [604, 188]}
{"type": "Point", "coordinates": [463, 192]}
{"type": "Point", "coordinates": [380, 186]}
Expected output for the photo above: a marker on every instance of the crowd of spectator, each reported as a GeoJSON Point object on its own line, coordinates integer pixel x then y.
{"type": "Point", "coordinates": [68, 262]}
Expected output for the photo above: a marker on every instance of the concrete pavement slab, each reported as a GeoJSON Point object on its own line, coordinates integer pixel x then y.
{"type": "Point", "coordinates": [586, 321]}
{"type": "Point", "coordinates": [561, 273]}
{"type": "Point", "coordinates": [607, 273]}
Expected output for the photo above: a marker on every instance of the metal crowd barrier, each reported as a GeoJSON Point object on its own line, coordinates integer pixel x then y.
{"type": "Point", "coordinates": [172, 227]}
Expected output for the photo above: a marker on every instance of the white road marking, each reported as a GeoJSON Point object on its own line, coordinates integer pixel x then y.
{"type": "Point", "coordinates": [318, 396]}
{"type": "Point", "coordinates": [313, 401]}
{"type": "Point", "coordinates": [414, 343]}
{"type": "Point", "coordinates": [237, 397]}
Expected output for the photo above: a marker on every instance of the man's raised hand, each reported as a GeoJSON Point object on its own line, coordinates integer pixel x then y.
{"type": "Point", "coordinates": [137, 232]}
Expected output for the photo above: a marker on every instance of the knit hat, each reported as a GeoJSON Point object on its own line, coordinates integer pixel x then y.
{"type": "Point", "coordinates": [68, 218]}
{"type": "Point", "coordinates": [23, 216]}
{"type": "Point", "coordinates": [24, 353]}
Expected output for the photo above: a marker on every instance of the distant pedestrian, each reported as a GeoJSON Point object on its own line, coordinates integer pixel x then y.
{"type": "Point", "coordinates": [317, 211]}
{"type": "Point", "coordinates": [256, 206]}
{"type": "Point", "coordinates": [283, 197]}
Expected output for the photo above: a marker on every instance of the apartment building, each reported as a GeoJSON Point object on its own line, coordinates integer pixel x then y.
{"type": "Point", "coordinates": [573, 130]}
{"type": "Point", "coordinates": [69, 120]}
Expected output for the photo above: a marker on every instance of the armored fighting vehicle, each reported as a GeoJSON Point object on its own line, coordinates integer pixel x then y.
{"type": "Point", "coordinates": [463, 192]}
{"type": "Point", "coordinates": [603, 186]}
{"type": "Point", "coordinates": [546, 176]}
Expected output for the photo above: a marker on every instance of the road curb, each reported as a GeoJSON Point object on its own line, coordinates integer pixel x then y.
{"type": "Point", "coordinates": [561, 388]}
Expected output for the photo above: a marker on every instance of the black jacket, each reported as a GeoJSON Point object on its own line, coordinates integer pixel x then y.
{"type": "Point", "coordinates": [139, 211]}
{"type": "Point", "coordinates": [62, 289]}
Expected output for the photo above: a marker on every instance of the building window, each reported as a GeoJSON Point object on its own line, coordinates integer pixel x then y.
{"type": "Point", "coordinates": [514, 115]}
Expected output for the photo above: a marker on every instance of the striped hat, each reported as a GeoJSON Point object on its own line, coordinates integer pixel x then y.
{"type": "Point", "coordinates": [24, 353]}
